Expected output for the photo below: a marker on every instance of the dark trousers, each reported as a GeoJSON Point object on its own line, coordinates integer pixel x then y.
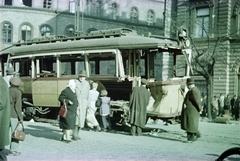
{"type": "Point", "coordinates": [136, 130]}
{"type": "Point", "coordinates": [3, 155]}
{"type": "Point", "coordinates": [106, 122]}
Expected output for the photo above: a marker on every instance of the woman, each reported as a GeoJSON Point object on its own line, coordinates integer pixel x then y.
{"type": "Point", "coordinates": [91, 120]}
{"type": "Point", "coordinates": [68, 123]}
{"type": "Point", "coordinates": [16, 112]}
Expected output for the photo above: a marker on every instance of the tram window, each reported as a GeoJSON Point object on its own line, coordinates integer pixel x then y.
{"type": "Point", "coordinates": [142, 68]}
{"type": "Point", "coordinates": [180, 65]}
{"type": "Point", "coordinates": [24, 67]}
{"type": "Point", "coordinates": [66, 68]}
{"type": "Point", "coordinates": [79, 66]}
{"type": "Point", "coordinates": [107, 67]}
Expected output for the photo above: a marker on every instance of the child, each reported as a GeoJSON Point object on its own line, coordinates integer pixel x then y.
{"type": "Point", "coordinates": [105, 110]}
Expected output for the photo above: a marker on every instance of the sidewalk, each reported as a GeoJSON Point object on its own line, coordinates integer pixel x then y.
{"type": "Point", "coordinates": [43, 143]}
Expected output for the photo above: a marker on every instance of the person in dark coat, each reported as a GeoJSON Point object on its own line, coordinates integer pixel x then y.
{"type": "Point", "coordinates": [68, 123]}
{"type": "Point", "coordinates": [191, 111]}
{"type": "Point", "coordinates": [138, 108]}
{"type": "Point", "coordinates": [5, 111]}
{"type": "Point", "coordinates": [16, 112]}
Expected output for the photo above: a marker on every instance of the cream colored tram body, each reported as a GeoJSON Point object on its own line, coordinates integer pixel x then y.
{"type": "Point", "coordinates": [117, 59]}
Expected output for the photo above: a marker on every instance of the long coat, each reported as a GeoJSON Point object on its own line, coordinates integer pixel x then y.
{"type": "Point", "coordinates": [82, 92]}
{"type": "Point", "coordinates": [5, 110]}
{"type": "Point", "coordinates": [16, 103]}
{"type": "Point", "coordinates": [138, 106]}
{"type": "Point", "coordinates": [190, 112]}
{"type": "Point", "coordinates": [69, 121]}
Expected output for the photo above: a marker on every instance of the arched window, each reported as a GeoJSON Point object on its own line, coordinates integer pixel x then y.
{"type": "Point", "coordinates": [150, 17]}
{"type": "Point", "coordinates": [69, 31]}
{"type": "Point", "coordinates": [26, 32]}
{"type": "Point", "coordinates": [6, 32]}
{"type": "Point", "coordinates": [98, 8]}
{"type": "Point", "coordinates": [134, 15]}
{"type": "Point", "coordinates": [46, 30]}
{"type": "Point", "coordinates": [114, 8]}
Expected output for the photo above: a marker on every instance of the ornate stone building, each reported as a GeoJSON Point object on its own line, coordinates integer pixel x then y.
{"type": "Point", "coordinates": [212, 25]}
{"type": "Point", "coordinates": [214, 28]}
{"type": "Point", "coordinates": [22, 20]}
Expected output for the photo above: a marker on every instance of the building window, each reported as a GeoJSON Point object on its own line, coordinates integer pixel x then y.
{"type": "Point", "coordinates": [114, 8]}
{"type": "Point", "coordinates": [134, 15]}
{"type": "Point", "coordinates": [72, 6]}
{"type": "Point", "coordinates": [27, 3]}
{"type": "Point", "coordinates": [89, 6]}
{"type": "Point", "coordinates": [26, 33]}
{"type": "Point", "coordinates": [98, 8]}
{"type": "Point", "coordinates": [6, 33]}
{"type": "Point", "coordinates": [150, 17]}
{"type": "Point", "coordinates": [69, 31]}
{"type": "Point", "coordinates": [8, 2]}
{"type": "Point", "coordinates": [46, 30]}
{"type": "Point", "coordinates": [47, 4]}
{"type": "Point", "coordinates": [202, 26]}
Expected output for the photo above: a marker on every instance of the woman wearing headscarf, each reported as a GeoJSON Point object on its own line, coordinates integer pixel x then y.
{"type": "Point", "coordinates": [67, 123]}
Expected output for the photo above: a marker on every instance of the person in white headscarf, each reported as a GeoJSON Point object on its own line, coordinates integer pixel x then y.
{"type": "Point", "coordinates": [67, 123]}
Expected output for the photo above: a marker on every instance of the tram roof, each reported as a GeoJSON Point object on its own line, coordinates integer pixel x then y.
{"type": "Point", "coordinates": [121, 42]}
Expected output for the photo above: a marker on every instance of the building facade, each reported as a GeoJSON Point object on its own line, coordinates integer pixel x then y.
{"type": "Point", "coordinates": [212, 25]}
{"type": "Point", "coordinates": [214, 28]}
{"type": "Point", "coordinates": [22, 20]}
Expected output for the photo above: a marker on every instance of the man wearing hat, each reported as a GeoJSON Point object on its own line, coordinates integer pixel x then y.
{"type": "Point", "coordinates": [16, 112]}
{"type": "Point", "coordinates": [9, 74]}
{"type": "Point", "coordinates": [190, 112]}
{"type": "Point", "coordinates": [138, 108]}
{"type": "Point", "coordinates": [82, 92]}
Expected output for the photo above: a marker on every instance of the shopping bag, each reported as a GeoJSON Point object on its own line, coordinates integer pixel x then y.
{"type": "Point", "coordinates": [63, 110]}
{"type": "Point", "coordinates": [17, 134]}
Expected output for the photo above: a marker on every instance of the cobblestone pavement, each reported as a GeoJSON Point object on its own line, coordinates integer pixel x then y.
{"type": "Point", "coordinates": [165, 143]}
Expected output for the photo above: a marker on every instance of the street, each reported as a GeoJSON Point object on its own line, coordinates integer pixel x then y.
{"type": "Point", "coordinates": [166, 143]}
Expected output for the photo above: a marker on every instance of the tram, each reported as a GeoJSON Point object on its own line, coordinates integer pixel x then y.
{"type": "Point", "coordinates": [116, 59]}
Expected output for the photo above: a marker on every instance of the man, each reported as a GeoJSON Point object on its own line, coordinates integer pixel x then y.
{"type": "Point", "coordinates": [9, 74]}
{"type": "Point", "coordinates": [4, 118]}
{"type": "Point", "coordinates": [82, 92]}
{"type": "Point", "coordinates": [138, 108]}
{"type": "Point", "coordinates": [221, 104]}
{"type": "Point", "coordinates": [227, 105]}
{"type": "Point", "coordinates": [190, 112]}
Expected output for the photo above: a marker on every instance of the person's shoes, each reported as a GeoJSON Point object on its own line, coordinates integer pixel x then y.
{"type": "Point", "coordinates": [191, 138]}
{"type": "Point", "coordinates": [76, 138]}
{"type": "Point", "coordinates": [14, 153]}
{"type": "Point", "coordinates": [198, 135]}
{"type": "Point", "coordinates": [98, 128]}
{"type": "Point", "coordinates": [66, 141]}
{"type": "Point", "coordinates": [104, 130]}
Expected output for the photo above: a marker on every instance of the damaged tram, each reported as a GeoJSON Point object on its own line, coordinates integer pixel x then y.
{"type": "Point", "coordinates": [116, 59]}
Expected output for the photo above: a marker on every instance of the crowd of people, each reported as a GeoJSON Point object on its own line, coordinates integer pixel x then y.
{"type": "Point", "coordinates": [220, 106]}
{"type": "Point", "coordinates": [80, 97]}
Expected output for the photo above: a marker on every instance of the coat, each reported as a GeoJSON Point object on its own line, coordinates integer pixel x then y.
{"type": "Point", "coordinates": [138, 106]}
{"type": "Point", "coordinates": [5, 111]}
{"type": "Point", "coordinates": [190, 112]}
{"type": "Point", "coordinates": [105, 106]}
{"type": "Point", "coordinates": [82, 92]}
{"type": "Point", "coordinates": [16, 103]}
{"type": "Point", "coordinates": [69, 121]}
